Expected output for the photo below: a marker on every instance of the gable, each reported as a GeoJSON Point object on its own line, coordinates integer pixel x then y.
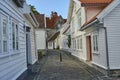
{"type": "Point", "coordinates": [108, 9]}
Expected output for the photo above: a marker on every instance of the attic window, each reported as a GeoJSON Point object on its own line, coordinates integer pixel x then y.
{"type": "Point", "coordinates": [19, 3]}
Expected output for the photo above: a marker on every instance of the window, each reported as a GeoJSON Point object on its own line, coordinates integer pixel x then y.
{"type": "Point", "coordinates": [15, 38]}
{"type": "Point", "coordinates": [73, 28]}
{"type": "Point", "coordinates": [75, 44]}
{"type": "Point", "coordinates": [4, 26]}
{"type": "Point", "coordinates": [3, 34]}
{"type": "Point", "coordinates": [80, 42]}
{"type": "Point", "coordinates": [95, 42]}
{"type": "Point", "coordinates": [79, 20]}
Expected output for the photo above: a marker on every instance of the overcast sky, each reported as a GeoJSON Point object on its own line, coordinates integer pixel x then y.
{"type": "Point", "coordinates": [46, 6]}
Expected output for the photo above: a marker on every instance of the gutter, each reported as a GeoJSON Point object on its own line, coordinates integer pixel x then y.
{"type": "Point", "coordinates": [93, 22]}
{"type": "Point", "coordinates": [106, 42]}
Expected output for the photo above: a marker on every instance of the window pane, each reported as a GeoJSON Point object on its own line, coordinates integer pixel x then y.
{"type": "Point", "coordinates": [16, 37]}
{"type": "Point", "coordinates": [13, 36]}
{"type": "Point", "coordinates": [80, 43]}
{"type": "Point", "coordinates": [4, 29]}
{"type": "Point", "coordinates": [4, 25]}
{"type": "Point", "coordinates": [0, 47]}
{"type": "Point", "coordinates": [96, 43]}
{"type": "Point", "coordinates": [4, 46]}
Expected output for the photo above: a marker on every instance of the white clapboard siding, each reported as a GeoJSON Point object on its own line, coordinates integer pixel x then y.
{"type": "Point", "coordinates": [40, 38]}
{"type": "Point", "coordinates": [112, 22]}
{"type": "Point", "coordinates": [33, 50]}
{"type": "Point", "coordinates": [13, 65]}
{"type": "Point", "coordinates": [100, 57]}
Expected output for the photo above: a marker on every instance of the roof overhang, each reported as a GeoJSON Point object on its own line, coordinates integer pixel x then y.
{"type": "Point", "coordinates": [99, 17]}
{"type": "Point", "coordinates": [90, 24]}
{"type": "Point", "coordinates": [54, 36]}
{"type": "Point", "coordinates": [30, 16]}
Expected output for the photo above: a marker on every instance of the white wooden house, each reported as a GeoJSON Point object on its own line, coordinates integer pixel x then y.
{"type": "Point", "coordinates": [13, 57]}
{"type": "Point", "coordinates": [76, 18]}
{"type": "Point", "coordinates": [40, 32]}
{"type": "Point", "coordinates": [30, 24]}
{"type": "Point", "coordinates": [103, 37]}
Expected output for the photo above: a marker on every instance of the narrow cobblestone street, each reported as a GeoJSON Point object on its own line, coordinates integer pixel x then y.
{"type": "Point", "coordinates": [69, 69]}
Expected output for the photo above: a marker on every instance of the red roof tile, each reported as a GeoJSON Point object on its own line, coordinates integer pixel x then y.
{"type": "Point", "coordinates": [51, 21]}
{"type": "Point", "coordinates": [40, 19]}
{"type": "Point", "coordinates": [95, 1]}
{"type": "Point", "coordinates": [95, 17]}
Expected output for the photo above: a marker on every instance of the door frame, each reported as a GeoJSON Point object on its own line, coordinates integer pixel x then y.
{"type": "Point", "coordinates": [89, 48]}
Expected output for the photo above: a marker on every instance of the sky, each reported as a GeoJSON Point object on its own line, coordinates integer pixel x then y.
{"type": "Point", "coordinates": [46, 6]}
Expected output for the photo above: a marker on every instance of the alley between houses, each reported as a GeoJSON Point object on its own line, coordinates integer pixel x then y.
{"type": "Point", "coordinates": [68, 68]}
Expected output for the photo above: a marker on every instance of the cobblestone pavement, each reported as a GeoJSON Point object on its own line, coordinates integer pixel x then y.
{"type": "Point", "coordinates": [69, 69]}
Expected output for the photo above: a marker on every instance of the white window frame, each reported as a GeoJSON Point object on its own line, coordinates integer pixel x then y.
{"type": "Point", "coordinates": [95, 42]}
{"type": "Point", "coordinates": [79, 19]}
{"type": "Point", "coordinates": [80, 43]}
{"type": "Point", "coordinates": [3, 17]}
{"type": "Point", "coordinates": [16, 35]}
{"type": "Point", "coordinates": [73, 26]}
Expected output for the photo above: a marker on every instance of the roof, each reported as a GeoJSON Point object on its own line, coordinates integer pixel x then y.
{"type": "Point", "coordinates": [54, 36]}
{"type": "Point", "coordinates": [50, 22]}
{"type": "Point", "coordinates": [95, 2]}
{"type": "Point", "coordinates": [102, 13]}
{"type": "Point", "coordinates": [66, 29]}
{"type": "Point", "coordinates": [41, 20]}
{"type": "Point", "coordinates": [53, 20]}
{"type": "Point", "coordinates": [94, 18]}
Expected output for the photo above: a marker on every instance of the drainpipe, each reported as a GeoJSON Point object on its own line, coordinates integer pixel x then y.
{"type": "Point", "coordinates": [46, 45]}
{"type": "Point", "coordinates": [107, 53]}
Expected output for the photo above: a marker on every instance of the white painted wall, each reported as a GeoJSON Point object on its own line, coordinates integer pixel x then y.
{"type": "Point", "coordinates": [13, 63]}
{"type": "Point", "coordinates": [50, 45]}
{"type": "Point", "coordinates": [78, 12]}
{"type": "Point", "coordinates": [112, 22]}
{"type": "Point", "coordinates": [98, 58]}
{"type": "Point", "coordinates": [33, 50]}
{"type": "Point", "coordinates": [40, 39]}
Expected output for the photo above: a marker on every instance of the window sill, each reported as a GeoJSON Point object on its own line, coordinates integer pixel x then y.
{"type": "Point", "coordinates": [96, 53]}
{"type": "Point", "coordinates": [7, 54]}
{"type": "Point", "coordinates": [4, 55]}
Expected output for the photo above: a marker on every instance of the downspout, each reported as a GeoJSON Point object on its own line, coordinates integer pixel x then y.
{"type": "Point", "coordinates": [46, 42]}
{"type": "Point", "coordinates": [107, 53]}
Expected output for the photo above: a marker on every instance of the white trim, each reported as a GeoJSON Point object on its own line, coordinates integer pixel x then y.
{"type": "Point", "coordinates": [108, 9]}
{"type": "Point", "coordinates": [99, 65]}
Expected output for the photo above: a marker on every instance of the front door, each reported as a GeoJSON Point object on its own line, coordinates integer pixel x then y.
{"type": "Point", "coordinates": [28, 48]}
{"type": "Point", "coordinates": [89, 48]}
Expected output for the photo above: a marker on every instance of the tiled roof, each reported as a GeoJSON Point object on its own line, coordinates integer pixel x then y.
{"type": "Point", "coordinates": [95, 1]}
{"type": "Point", "coordinates": [40, 19]}
{"type": "Point", "coordinates": [51, 21]}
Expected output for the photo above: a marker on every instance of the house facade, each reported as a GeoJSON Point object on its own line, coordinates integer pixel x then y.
{"type": "Point", "coordinates": [13, 49]}
{"type": "Point", "coordinates": [30, 24]}
{"type": "Point", "coordinates": [41, 32]}
{"type": "Point", "coordinates": [76, 18]}
{"type": "Point", "coordinates": [53, 24]}
{"type": "Point", "coordinates": [102, 35]}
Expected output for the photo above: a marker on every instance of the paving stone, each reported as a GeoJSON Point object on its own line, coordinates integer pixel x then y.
{"type": "Point", "coordinates": [69, 69]}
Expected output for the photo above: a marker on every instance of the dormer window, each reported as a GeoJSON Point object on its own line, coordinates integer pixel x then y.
{"type": "Point", "coordinates": [19, 3]}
